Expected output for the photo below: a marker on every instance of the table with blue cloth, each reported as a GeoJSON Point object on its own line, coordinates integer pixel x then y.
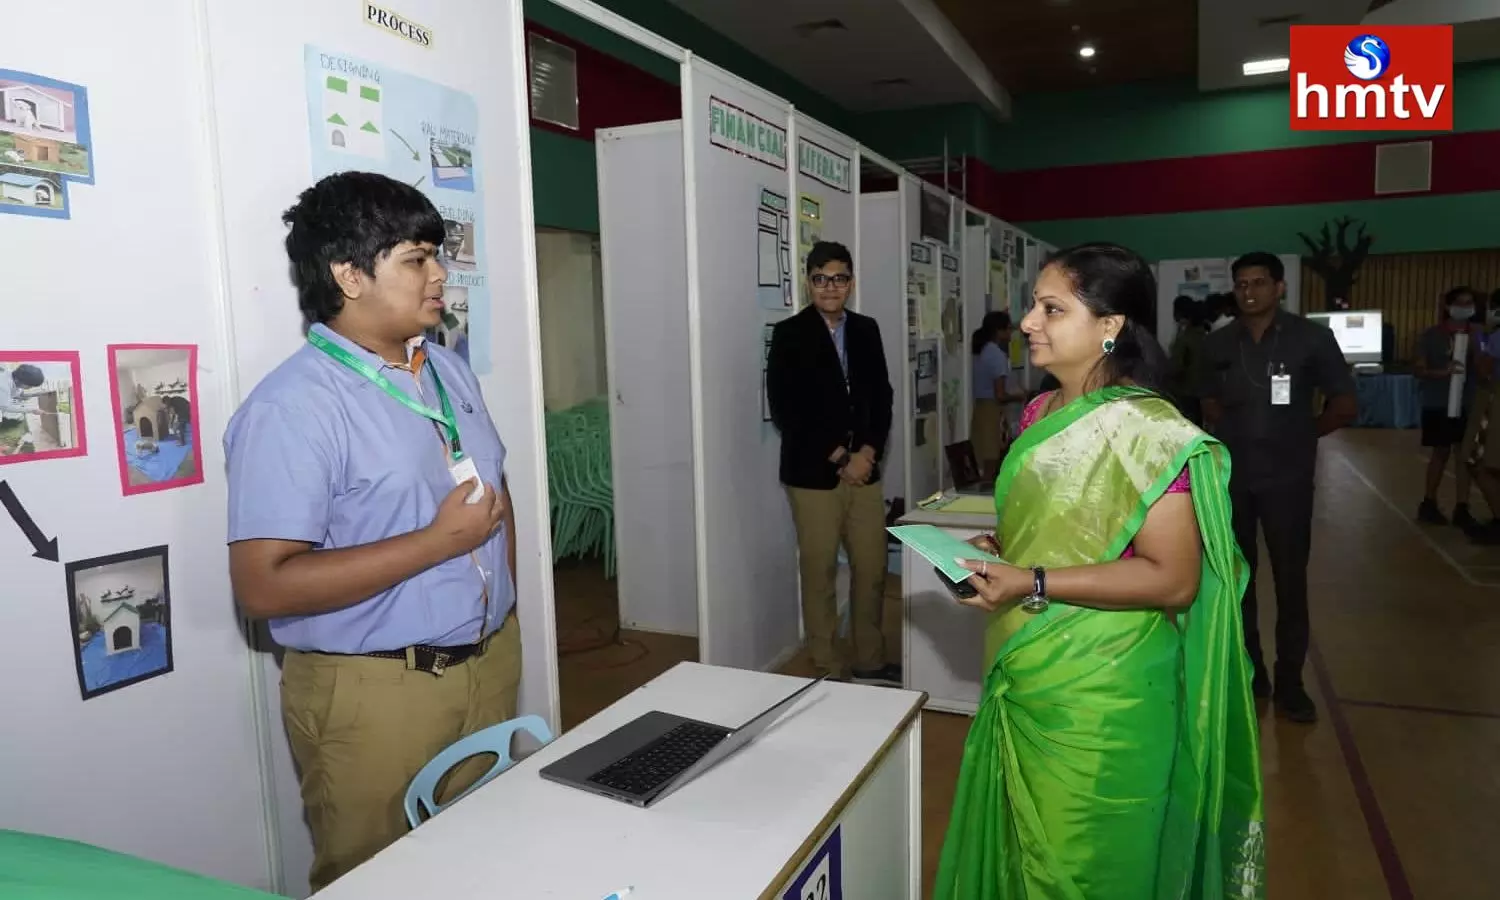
{"type": "Point", "coordinates": [1388, 401]}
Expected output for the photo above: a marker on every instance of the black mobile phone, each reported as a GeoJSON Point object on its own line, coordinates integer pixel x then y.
{"type": "Point", "coordinates": [963, 590]}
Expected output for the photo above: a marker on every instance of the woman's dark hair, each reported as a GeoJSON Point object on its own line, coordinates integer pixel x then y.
{"type": "Point", "coordinates": [1454, 294]}
{"type": "Point", "coordinates": [351, 217]}
{"type": "Point", "coordinates": [1114, 281]}
{"type": "Point", "coordinates": [1186, 309]}
{"type": "Point", "coordinates": [997, 320]}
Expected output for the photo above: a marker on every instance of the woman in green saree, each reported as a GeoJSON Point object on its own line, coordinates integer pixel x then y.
{"type": "Point", "coordinates": [1114, 753]}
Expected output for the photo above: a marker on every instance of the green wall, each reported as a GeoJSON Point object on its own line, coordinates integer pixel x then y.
{"type": "Point", "coordinates": [564, 177]}
{"type": "Point", "coordinates": [1165, 120]}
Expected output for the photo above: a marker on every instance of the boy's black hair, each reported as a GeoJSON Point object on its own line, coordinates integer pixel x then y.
{"type": "Point", "coordinates": [351, 217]}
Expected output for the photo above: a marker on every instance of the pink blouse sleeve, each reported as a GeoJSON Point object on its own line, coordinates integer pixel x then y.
{"type": "Point", "coordinates": [1033, 410]}
{"type": "Point", "coordinates": [1182, 484]}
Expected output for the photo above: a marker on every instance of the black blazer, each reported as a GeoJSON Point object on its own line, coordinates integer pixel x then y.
{"type": "Point", "coordinates": [810, 404]}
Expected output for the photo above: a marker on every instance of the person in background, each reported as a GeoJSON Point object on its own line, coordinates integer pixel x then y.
{"type": "Point", "coordinates": [1481, 414]}
{"type": "Point", "coordinates": [370, 521]}
{"type": "Point", "coordinates": [831, 399]}
{"type": "Point", "coordinates": [987, 426]}
{"type": "Point", "coordinates": [1441, 432]}
{"type": "Point", "coordinates": [1259, 376]}
{"type": "Point", "coordinates": [1219, 311]}
{"type": "Point", "coordinates": [1114, 751]}
{"type": "Point", "coordinates": [1186, 353]}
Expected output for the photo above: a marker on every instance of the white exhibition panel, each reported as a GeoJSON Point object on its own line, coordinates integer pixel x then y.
{"type": "Point", "coordinates": [953, 356]}
{"type": "Point", "coordinates": [259, 74]}
{"type": "Point", "coordinates": [882, 296]}
{"type": "Point", "coordinates": [737, 164]}
{"type": "Point", "coordinates": [825, 190]}
{"type": "Point", "coordinates": [976, 295]}
{"type": "Point", "coordinates": [165, 768]}
{"type": "Point", "coordinates": [923, 376]}
{"type": "Point", "coordinates": [643, 244]}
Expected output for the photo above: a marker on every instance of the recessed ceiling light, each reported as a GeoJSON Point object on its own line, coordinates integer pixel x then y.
{"type": "Point", "coordinates": [1086, 51]}
{"type": "Point", "coordinates": [1266, 66]}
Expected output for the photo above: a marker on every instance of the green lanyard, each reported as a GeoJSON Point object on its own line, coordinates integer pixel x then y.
{"type": "Point", "coordinates": [445, 419]}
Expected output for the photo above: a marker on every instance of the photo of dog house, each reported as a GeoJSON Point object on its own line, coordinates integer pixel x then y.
{"type": "Point", "coordinates": [120, 613]}
{"type": "Point", "coordinates": [155, 396]}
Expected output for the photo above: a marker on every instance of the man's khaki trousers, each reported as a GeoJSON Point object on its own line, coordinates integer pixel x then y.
{"type": "Point", "coordinates": [361, 727]}
{"type": "Point", "coordinates": [854, 517]}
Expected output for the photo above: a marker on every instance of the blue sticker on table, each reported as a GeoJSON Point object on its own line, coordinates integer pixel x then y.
{"type": "Point", "coordinates": [823, 876]}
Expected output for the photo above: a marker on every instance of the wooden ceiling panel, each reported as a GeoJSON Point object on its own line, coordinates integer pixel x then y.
{"type": "Point", "coordinates": [1032, 45]}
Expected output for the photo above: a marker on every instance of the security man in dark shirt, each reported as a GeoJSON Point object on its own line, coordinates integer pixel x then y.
{"type": "Point", "coordinates": [1258, 379]}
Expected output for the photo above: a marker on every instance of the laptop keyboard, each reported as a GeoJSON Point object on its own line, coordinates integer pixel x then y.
{"type": "Point", "coordinates": [660, 761]}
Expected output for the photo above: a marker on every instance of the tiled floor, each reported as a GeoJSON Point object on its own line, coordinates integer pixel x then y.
{"type": "Point", "coordinates": [1394, 793]}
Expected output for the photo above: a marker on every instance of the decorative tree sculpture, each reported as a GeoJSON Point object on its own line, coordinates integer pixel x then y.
{"type": "Point", "coordinates": [1335, 261]}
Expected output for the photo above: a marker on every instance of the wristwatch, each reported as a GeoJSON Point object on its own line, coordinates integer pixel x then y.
{"type": "Point", "coordinates": [1038, 600]}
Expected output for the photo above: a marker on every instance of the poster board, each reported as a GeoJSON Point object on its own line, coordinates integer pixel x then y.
{"type": "Point", "coordinates": [882, 296]}
{"type": "Point", "coordinates": [265, 157]}
{"type": "Point", "coordinates": [736, 140]}
{"type": "Point", "coordinates": [953, 397]}
{"type": "Point", "coordinates": [825, 191]}
{"type": "Point", "coordinates": [129, 676]}
{"type": "Point", "coordinates": [642, 253]}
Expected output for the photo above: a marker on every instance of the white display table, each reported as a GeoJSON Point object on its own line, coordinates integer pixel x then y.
{"type": "Point", "coordinates": [942, 641]}
{"type": "Point", "coordinates": [826, 804]}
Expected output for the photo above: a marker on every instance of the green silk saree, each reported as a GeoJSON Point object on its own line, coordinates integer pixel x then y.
{"type": "Point", "coordinates": [1114, 755]}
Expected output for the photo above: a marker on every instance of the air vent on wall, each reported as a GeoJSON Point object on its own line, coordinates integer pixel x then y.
{"type": "Point", "coordinates": [554, 82]}
{"type": "Point", "coordinates": [1404, 168]}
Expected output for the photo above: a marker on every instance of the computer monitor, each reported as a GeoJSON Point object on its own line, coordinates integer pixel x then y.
{"type": "Point", "coordinates": [1359, 333]}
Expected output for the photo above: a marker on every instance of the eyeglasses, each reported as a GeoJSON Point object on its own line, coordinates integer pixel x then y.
{"type": "Point", "coordinates": [840, 280]}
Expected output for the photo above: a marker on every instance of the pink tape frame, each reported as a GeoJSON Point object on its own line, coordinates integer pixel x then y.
{"type": "Point", "coordinates": [70, 357]}
{"type": "Point", "coordinates": [126, 487]}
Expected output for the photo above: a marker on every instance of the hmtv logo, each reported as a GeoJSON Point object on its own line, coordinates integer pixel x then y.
{"type": "Point", "coordinates": [1359, 78]}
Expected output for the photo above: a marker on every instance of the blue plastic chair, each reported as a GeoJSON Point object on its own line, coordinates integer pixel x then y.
{"type": "Point", "coordinates": [494, 739]}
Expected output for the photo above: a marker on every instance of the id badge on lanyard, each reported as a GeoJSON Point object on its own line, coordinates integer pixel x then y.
{"type": "Point", "coordinates": [1281, 386]}
{"type": "Point", "coordinates": [460, 466]}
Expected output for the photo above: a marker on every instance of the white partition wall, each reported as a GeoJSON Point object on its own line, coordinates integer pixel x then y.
{"type": "Point", "coordinates": [740, 241]}
{"type": "Point", "coordinates": [267, 72]}
{"type": "Point", "coordinates": [924, 312]}
{"type": "Point", "coordinates": [976, 294]}
{"type": "Point", "coordinates": [643, 247]}
{"type": "Point", "coordinates": [161, 760]}
{"type": "Point", "coordinates": [825, 191]}
{"type": "Point", "coordinates": [882, 296]}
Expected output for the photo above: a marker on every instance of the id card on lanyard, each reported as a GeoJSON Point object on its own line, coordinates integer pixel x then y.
{"type": "Point", "coordinates": [1281, 387]}
{"type": "Point", "coordinates": [460, 466]}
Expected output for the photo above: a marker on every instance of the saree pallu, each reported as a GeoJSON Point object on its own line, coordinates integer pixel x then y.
{"type": "Point", "coordinates": [1114, 754]}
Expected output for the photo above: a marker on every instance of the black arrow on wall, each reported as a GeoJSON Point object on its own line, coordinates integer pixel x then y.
{"type": "Point", "coordinates": [45, 549]}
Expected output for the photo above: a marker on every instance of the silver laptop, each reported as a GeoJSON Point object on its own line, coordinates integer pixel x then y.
{"type": "Point", "coordinates": [644, 760]}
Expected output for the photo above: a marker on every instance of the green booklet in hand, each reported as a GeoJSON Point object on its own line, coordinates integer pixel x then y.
{"type": "Point", "coordinates": [941, 549]}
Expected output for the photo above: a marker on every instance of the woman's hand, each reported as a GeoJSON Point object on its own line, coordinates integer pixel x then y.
{"type": "Point", "coordinates": [997, 584]}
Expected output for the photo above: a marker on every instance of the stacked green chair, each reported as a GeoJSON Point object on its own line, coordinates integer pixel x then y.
{"type": "Point", "coordinates": [581, 484]}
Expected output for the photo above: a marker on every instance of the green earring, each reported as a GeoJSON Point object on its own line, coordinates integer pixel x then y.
{"type": "Point", "coordinates": [1109, 345]}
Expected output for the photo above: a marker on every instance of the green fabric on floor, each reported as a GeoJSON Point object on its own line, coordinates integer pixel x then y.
{"type": "Point", "coordinates": [34, 867]}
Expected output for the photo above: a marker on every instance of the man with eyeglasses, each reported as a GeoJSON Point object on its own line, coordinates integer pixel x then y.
{"type": "Point", "coordinates": [830, 396]}
{"type": "Point", "coordinates": [1259, 377]}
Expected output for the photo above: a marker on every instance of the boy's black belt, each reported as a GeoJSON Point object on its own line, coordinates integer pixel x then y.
{"type": "Point", "coordinates": [424, 658]}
